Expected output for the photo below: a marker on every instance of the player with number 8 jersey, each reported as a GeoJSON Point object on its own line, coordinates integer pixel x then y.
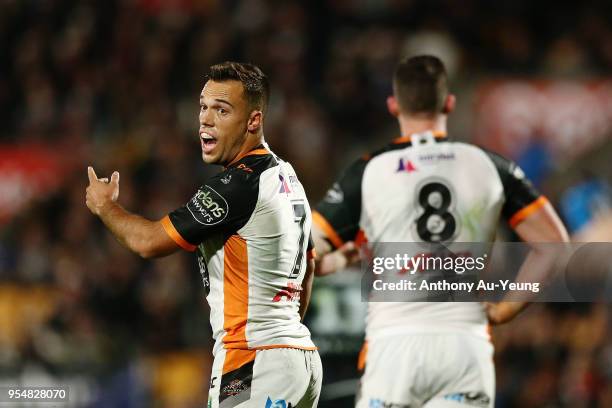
{"type": "Point", "coordinates": [423, 187]}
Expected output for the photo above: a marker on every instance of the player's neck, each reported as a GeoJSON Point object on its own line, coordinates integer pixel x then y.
{"type": "Point", "coordinates": [414, 124]}
{"type": "Point", "coordinates": [249, 145]}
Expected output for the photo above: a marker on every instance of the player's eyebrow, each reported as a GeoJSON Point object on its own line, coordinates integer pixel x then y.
{"type": "Point", "coordinates": [218, 100]}
{"type": "Point", "coordinates": [225, 102]}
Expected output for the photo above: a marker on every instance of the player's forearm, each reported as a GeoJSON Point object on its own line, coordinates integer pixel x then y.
{"type": "Point", "coordinates": [306, 288]}
{"type": "Point", "coordinates": [541, 231]}
{"type": "Point", "coordinates": [131, 230]}
{"type": "Point", "coordinates": [321, 243]}
{"type": "Point", "coordinates": [504, 311]}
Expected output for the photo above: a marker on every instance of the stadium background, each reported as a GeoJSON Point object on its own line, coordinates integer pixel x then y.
{"type": "Point", "coordinates": [115, 84]}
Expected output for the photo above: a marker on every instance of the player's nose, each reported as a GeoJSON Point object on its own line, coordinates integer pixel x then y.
{"type": "Point", "coordinates": [206, 118]}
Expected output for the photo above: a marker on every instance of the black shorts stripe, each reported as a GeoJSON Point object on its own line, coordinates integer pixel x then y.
{"type": "Point", "coordinates": [236, 386]}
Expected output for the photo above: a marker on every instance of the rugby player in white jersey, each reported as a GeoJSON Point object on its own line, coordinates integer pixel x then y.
{"type": "Point", "coordinates": [421, 354]}
{"type": "Point", "coordinates": [250, 227]}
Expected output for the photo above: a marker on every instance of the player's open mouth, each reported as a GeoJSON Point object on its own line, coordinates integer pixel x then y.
{"type": "Point", "coordinates": [208, 143]}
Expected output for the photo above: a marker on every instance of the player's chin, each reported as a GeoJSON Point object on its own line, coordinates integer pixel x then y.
{"type": "Point", "coordinates": [210, 158]}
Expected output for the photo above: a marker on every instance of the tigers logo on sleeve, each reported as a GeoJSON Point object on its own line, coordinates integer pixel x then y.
{"type": "Point", "coordinates": [207, 206]}
{"type": "Point", "coordinates": [334, 195]}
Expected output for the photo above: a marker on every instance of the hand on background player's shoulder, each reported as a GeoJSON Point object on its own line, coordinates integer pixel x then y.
{"type": "Point", "coordinates": [344, 256]}
{"type": "Point", "coordinates": [101, 192]}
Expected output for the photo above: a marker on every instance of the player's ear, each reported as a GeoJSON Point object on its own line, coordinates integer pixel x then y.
{"type": "Point", "coordinates": [393, 106]}
{"type": "Point", "coordinates": [449, 104]}
{"type": "Point", "coordinates": [255, 121]}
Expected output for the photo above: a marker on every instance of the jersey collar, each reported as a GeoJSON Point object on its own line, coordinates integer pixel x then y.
{"type": "Point", "coordinates": [438, 134]}
{"type": "Point", "coordinates": [258, 150]}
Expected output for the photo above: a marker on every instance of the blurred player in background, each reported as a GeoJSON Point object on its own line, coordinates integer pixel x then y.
{"type": "Point", "coordinates": [250, 225]}
{"type": "Point", "coordinates": [428, 354]}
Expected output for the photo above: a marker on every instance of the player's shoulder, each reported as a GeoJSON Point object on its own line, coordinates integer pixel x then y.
{"type": "Point", "coordinates": [356, 168]}
{"type": "Point", "coordinates": [239, 181]}
{"type": "Point", "coordinates": [252, 165]}
{"type": "Point", "coordinates": [245, 171]}
{"type": "Point", "coordinates": [358, 165]}
{"type": "Point", "coordinates": [504, 166]}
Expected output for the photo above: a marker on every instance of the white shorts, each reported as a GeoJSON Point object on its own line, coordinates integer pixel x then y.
{"type": "Point", "coordinates": [428, 370]}
{"type": "Point", "coordinates": [272, 378]}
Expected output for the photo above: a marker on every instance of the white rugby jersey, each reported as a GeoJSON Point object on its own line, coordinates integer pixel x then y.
{"type": "Point", "coordinates": [251, 227]}
{"type": "Point", "coordinates": [424, 188]}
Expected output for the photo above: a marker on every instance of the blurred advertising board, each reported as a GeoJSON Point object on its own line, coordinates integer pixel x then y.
{"type": "Point", "coordinates": [27, 173]}
{"type": "Point", "coordinates": [568, 117]}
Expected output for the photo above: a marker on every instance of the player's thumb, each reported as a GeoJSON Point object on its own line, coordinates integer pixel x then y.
{"type": "Point", "coordinates": [91, 174]}
{"type": "Point", "coordinates": [115, 178]}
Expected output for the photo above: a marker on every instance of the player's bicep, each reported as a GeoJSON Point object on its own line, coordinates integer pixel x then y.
{"type": "Point", "coordinates": [159, 242]}
{"type": "Point", "coordinates": [542, 225]}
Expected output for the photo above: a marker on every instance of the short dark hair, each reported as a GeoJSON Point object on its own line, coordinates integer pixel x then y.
{"type": "Point", "coordinates": [254, 81]}
{"type": "Point", "coordinates": [420, 85]}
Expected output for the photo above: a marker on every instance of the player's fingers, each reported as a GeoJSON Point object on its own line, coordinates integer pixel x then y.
{"type": "Point", "coordinates": [91, 174]}
{"type": "Point", "coordinates": [350, 252]}
{"type": "Point", "coordinates": [115, 178]}
{"type": "Point", "coordinates": [104, 180]}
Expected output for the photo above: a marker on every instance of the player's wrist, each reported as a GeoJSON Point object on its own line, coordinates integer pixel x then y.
{"type": "Point", "coordinates": [105, 208]}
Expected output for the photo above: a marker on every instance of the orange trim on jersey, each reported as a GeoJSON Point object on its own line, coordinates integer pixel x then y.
{"type": "Point", "coordinates": [526, 211]}
{"type": "Point", "coordinates": [175, 235]}
{"type": "Point", "coordinates": [235, 292]}
{"type": "Point", "coordinates": [236, 358]}
{"type": "Point", "coordinates": [275, 346]}
{"type": "Point", "coordinates": [363, 354]}
{"type": "Point", "coordinates": [329, 231]}
{"type": "Point", "coordinates": [438, 134]}
{"type": "Point", "coordinates": [312, 254]}
{"type": "Point", "coordinates": [251, 153]}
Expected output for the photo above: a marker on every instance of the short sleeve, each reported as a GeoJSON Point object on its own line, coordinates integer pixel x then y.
{"type": "Point", "coordinates": [521, 197]}
{"type": "Point", "coordinates": [223, 205]}
{"type": "Point", "coordinates": [338, 214]}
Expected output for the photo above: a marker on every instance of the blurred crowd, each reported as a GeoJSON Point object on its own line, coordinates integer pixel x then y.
{"type": "Point", "coordinates": [115, 84]}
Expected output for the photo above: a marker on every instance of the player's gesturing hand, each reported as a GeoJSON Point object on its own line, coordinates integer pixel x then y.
{"type": "Point", "coordinates": [100, 192]}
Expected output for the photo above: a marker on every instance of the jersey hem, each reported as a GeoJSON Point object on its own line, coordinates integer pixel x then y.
{"type": "Point", "coordinates": [273, 346]}
{"type": "Point", "coordinates": [481, 332]}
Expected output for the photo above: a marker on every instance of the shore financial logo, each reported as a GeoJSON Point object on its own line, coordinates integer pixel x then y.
{"type": "Point", "coordinates": [406, 166]}
{"type": "Point", "coordinates": [433, 158]}
{"type": "Point", "coordinates": [208, 207]}
{"type": "Point", "coordinates": [284, 188]}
